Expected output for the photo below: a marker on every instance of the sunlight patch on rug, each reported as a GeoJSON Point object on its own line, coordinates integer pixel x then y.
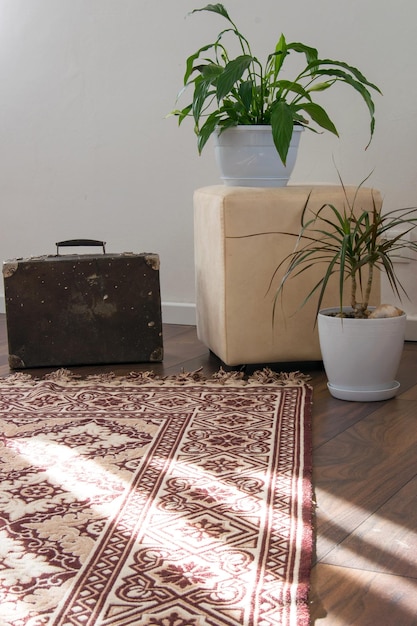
{"type": "Point", "coordinates": [155, 502]}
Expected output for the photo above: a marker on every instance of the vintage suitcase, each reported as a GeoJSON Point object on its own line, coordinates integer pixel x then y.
{"type": "Point", "coordinates": [80, 309]}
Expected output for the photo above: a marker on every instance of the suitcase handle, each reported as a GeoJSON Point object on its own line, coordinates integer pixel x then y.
{"type": "Point", "coordinates": [80, 242]}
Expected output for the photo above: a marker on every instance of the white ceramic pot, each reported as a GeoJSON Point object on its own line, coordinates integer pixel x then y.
{"type": "Point", "coordinates": [247, 157]}
{"type": "Point", "coordinates": [361, 357]}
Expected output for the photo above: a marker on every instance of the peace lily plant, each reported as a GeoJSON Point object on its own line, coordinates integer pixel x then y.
{"type": "Point", "coordinates": [230, 91]}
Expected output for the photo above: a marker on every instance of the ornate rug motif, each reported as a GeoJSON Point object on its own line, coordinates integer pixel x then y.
{"type": "Point", "coordinates": [155, 502]}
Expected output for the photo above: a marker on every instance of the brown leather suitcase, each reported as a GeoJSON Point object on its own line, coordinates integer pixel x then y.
{"type": "Point", "coordinates": [80, 309]}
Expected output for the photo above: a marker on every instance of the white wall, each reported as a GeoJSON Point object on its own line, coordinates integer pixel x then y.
{"type": "Point", "coordinates": [85, 149]}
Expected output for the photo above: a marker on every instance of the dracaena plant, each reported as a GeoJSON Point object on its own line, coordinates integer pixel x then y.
{"type": "Point", "coordinates": [241, 90]}
{"type": "Point", "coordinates": [351, 245]}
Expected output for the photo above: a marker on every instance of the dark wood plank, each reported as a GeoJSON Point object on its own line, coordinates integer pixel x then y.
{"type": "Point", "coordinates": [347, 597]}
{"type": "Point", "coordinates": [367, 546]}
{"type": "Point", "coordinates": [356, 472]}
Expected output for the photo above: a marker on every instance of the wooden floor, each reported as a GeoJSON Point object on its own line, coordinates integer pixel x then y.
{"type": "Point", "coordinates": [365, 480]}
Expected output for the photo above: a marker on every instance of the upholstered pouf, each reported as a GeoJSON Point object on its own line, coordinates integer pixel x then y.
{"type": "Point", "coordinates": [238, 246]}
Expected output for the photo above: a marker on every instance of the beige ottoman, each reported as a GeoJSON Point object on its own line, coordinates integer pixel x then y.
{"type": "Point", "coordinates": [237, 249]}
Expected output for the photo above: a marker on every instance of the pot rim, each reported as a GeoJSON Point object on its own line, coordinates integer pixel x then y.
{"type": "Point", "coordinates": [255, 127]}
{"type": "Point", "coordinates": [324, 313]}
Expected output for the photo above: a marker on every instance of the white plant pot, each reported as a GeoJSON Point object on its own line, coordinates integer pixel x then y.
{"type": "Point", "coordinates": [361, 357]}
{"type": "Point", "coordinates": [247, 157]}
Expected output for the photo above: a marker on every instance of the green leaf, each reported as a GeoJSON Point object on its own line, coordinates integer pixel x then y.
{"type": "Point", "coordinates": [182, 113]}
{"type": "Point", "coordinates": [231, 74]}
{"type": "Point", "coordinates": [318, 115]}
{"type": "Point", "coordinates": [234, 111]}
{"type": "Point", "coordinates": [201, 94]}
{"type": "Point", "coordinates": [311, 54]}
{"type": "Point", "coordinates": [245, 93]}
{"type": "Point", "coordinates": [357, 85]}
{"type": "Point", "coordinates": [289, 85]}
{"type": "Point", "coordinates": [210, 71]}
{"type": "Point", "coordinates": [347, 78]}
{"type": "Point", "coordinates": [279, 55]}
{"type": "Point", "coordinates": [226, 122]}
{"type": "Point", "coordinates": [189, 65]}
{"type": "Point", "coordinates": [214, 8]}
{"type": "Point", "coordinates": [282, 123]}
{"type": "Point", "coordinates": [349, 68]}
{"type": "Point", "coordinates": [207, 129]}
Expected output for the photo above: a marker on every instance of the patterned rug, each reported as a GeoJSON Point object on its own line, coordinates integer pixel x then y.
{"type": "Point", "coordinates": [155, 502]}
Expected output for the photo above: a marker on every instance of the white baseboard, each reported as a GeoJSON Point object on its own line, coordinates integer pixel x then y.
{"type": "Point", "coordinates": [179, 313]}
{"type": "Point", "coordinates": [172, 312]}
{"type": "Point", "coordinates": [411, 328]}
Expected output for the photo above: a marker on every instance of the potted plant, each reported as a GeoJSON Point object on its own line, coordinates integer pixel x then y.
{"type": "Point", "coordinates": [361, 346]}
{"type": "Point", "coordinates": [234, 91]}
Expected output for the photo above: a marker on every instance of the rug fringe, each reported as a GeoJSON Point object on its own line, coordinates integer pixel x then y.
{"type": "Point", "coordinates": [286, 379]}
{"type": "Point", "coordinates": [265, 376]}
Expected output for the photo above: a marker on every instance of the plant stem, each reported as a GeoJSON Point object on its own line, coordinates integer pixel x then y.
{"type": "Point", "coordinates": [353, 302]}
{"type": "Point", "coordinates": [369, 285]}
